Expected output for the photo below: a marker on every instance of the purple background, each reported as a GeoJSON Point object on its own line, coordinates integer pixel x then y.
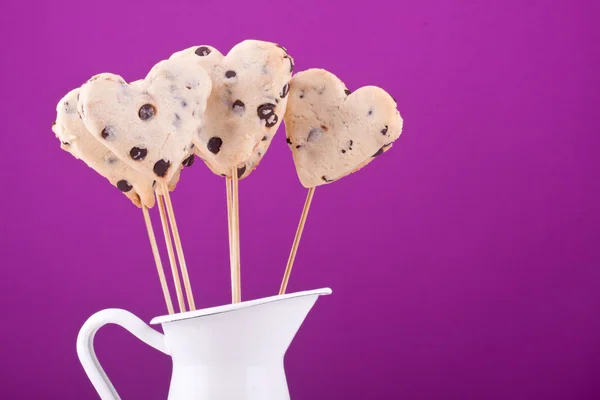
{"type": "Point", "coordinates": [464, 263]}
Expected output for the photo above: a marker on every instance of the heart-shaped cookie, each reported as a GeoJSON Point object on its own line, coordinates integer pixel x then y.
{"type": "Point", "coordinates": [149, 124]}
{"type": "Point", "coordinates": [77, 140]}
{"type": "Point", "coordinates": [246, 105]}
{"type": "Point", "coordinates": [333, 132]}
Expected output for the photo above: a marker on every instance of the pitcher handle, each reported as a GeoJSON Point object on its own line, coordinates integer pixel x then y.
{"type": "Point", "coordinates": [85, 345]}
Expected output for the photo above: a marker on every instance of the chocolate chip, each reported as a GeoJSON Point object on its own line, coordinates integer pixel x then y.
{"type": "Point", "coordinates": [188, 162]}
{"type": "Point", "coordinates": [351, 142]}
{"type": "Point", "coordinates": [183, 103]}
{"type": "Point", "coordinates": [272, 121]}
{"type": "Point", "coordinates": [124, 186]}
{"type": "Point", "coordinates": [324, 128]}
{"type": "Point", "coordinates": [371, 111]}
{"type": "Point", "coordinates": [147, 111]}
{"type": "Point", "coordinates": [379, 152]}
{"type": "Point", "coordinates": [224, 175]}
{"type": "Point", "coordinates": [161, 167]}
{"type": "Point", "coordinates": [230, 74]}
{"type": "Point", "coordinates": [202, 51]}
{"type": "Point", "coordinates": [285, 90]}
{"type": "Point", "coordinates": [384, 130]}
{"type": "Point", "coordinates": [387, 145]}
{"type": "Point", "coordinates": [288, 140]}
{"type": "Point", "coordinates": [66, 143]}
{"type": "Point", "coordinates": [343, 151]}
{"type": "Point", "coordinates": [348, 92]}
{"type": "Point", "coordinates": [239, 106]}
{"type": "Point", "coordinates": [138, 153]}
{"type": "Point", "coordinates": [153, 183]}
{"type": "Point", "coordinates": [240, 171]}
{"type": "Point", "coordinates": [265, 138]}
{"type": "Point", "coordinates": [192, 146]}
{"type": "Point", "coordinates": [265, 110]}
{"type": "Point", "coordinates": [214, 144]}
{"type": "Point", "coordinates": [54, 123]}
{"type": "Point", "coordinates": [325, 179]}
{"type": "Point", "coordinates": [301, 94]}
{"type": "Point", "coordinates": [108, 132]}
{"type": "Point", "coordinates": [298, 146]}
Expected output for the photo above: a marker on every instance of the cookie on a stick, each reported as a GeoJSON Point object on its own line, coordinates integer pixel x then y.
{"type": "Point", "coordinates": [244, 110]}
{"type": "Point", "coordinates": [149, 124]}
{"type": "Point", "coordinates": [333, 132]}
{"type": "Point", "coordinates": [77, 140]}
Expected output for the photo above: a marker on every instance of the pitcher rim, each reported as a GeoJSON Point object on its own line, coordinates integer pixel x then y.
{"type": "Point", "coordinates": [237, 306]}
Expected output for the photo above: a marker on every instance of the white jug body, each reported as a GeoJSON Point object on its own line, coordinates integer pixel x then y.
{"type": "Point", "coordinates": [232, 352]}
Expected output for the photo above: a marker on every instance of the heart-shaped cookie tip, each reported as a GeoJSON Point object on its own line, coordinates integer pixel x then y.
{"type": "Point", "coordinates": [246, 105]}
{"type": "Point", "coordinates": [77, 140]}
{"type": "Point", "coordinates": [333, 132]}
{"type": "Point", "coordinates": [149, 124]}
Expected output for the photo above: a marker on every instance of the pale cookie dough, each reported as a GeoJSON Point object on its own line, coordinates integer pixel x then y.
{"type": "Point", "coordinates": [333, 132]}
{"type": "Point", "coordinates": [246, 105]}
{"type": "Point", "coordinates": [149, 124]}
{"type": "Point", "coordinates": [77, 140]}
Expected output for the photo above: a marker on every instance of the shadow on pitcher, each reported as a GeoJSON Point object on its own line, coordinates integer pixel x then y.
{"type": "Point", "coordinates": [232, 352]}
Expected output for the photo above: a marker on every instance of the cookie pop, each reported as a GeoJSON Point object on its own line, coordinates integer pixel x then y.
{"type": "Point", "coordinates": [77, 140]}
{"type": "Point", "coordinates": [244, 111]}
{"type": "Point", "coordinates": [333, 133]}
{"type": "Point", "coordinates": [149, 124]}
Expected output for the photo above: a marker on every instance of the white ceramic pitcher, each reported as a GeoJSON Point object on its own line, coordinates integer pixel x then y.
{"type": "Point", "coordinates": [232, 352]}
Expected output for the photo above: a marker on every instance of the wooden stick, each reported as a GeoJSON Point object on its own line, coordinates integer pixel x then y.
{"type": "Point", "coordinates": [165, 226]}
{"type": "Point", "coordinates": [157, 260]}
{"type": "Point", "coordinates": [290, 263]}
{"type": "Point", "coordinates": [179, 248]}
{"type": "Point", "coordinates": [231, 250]}
{"type": "Point", "coordinates": [236, 232]}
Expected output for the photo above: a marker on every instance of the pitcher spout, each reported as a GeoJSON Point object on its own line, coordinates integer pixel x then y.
{"type": "Point", "coordinates": [257, 330]}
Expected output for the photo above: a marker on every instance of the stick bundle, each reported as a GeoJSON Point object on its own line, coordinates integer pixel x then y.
{"type": "Point", "coordinates": [180, 256]}
{"type": "Point", "coordinates": [168, 222]}
{"type": "Point", "coordinates": [169, 244]}
{"type": "Point", "coordinates": [157, 260]}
